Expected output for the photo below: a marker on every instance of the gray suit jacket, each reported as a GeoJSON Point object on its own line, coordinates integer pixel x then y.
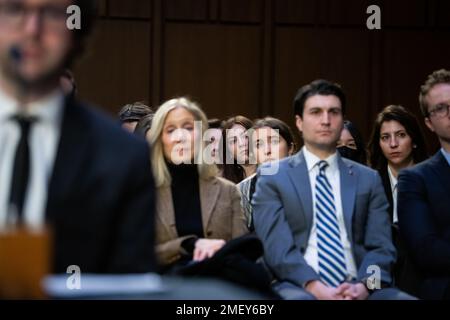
{"type": "Point", "coordinates": [283, 217]}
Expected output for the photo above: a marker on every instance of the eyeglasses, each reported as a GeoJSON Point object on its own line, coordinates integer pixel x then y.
{"type": "Point", "coordinates": [440, 111]}
{"type": "Point", "coordinates": [14, 13]}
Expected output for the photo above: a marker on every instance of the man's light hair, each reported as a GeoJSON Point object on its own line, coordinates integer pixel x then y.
{"type": "Point", "coordinates": [437, 77]}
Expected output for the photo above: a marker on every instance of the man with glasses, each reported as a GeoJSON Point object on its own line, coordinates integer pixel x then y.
{"type": "Point", "coordinates": [61, 163]}
{"type": "Point", "coordinates": [424, 195]}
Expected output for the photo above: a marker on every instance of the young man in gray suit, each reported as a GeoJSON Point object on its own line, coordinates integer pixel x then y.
{"type": "Point", "coordinates": [323, 219]}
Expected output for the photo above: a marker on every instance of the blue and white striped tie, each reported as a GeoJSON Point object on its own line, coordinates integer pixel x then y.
{"type": "Point", "coordinates": [332, 267]}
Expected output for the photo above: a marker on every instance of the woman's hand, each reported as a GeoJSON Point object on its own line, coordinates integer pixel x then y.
{"type": "Point", "coordinates": [206, 248]}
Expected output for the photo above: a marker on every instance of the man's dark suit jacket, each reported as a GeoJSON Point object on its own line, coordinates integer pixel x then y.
{"type": "Point", "coordinates": [424, 221]}
{"type": "Point", "coordinates": [388, 190]}
{"type": "Point", "coordinates": [406, 274]}
{"type": "Point", "coordinates": [101, 197]}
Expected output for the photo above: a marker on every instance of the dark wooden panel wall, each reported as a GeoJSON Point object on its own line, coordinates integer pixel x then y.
{"type": "Point", "coordinates": [250, 56]}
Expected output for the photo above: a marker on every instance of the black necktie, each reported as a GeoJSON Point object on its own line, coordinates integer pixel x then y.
{"type": "Point", "coordinates": [21, 169]}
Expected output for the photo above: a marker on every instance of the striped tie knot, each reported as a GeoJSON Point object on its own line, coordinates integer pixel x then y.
{"type": "Point", "coordinates": [322, 166]}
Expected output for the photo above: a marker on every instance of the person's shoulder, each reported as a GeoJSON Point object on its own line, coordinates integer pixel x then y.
{"type": "Point", "coordinates": [99, 121]}
{"type": "Point", "coordinates": [246, 181]}
{"type": "Point", "coordinates": [359, 167]}
{"type": "Point", "coordinates": [106, 132]}
{"type": "Point", "coordinates": [421, 169]}
{"type": "Point", "coordinates": [282, 164]}
{"type": "Point", "coordinates": [415, 176]}
{"type": "Point", "coordinates": [365, 174]}
{"type": "Point", "coordinates": [226, 188]}
{"type": "Point", "coordinates": [222, 182]}
{"type": "Point", "coordinates": [277, 172]}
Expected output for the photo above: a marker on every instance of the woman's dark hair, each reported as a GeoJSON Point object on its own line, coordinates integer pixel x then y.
{"type": "Point", "coordinates": [318, 87]}
{"type": "Point", "coordinates": [144, 125]}
{"type": "Point", "coordinates": [231, 170]}
{"type": "Point", "coordinates": [396, 113]}
{"type": "Point", "coordinates": [360, 145]}
{"type": "Point", "coordinates": [283, 129]}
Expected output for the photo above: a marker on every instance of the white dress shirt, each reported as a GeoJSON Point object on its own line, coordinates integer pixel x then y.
{"type": "Point", "coordinates": [393, 180]}
{"type": "Point", "coordinates": [43, 142]}
{"type": "Point", "coordinates": [332, 173]}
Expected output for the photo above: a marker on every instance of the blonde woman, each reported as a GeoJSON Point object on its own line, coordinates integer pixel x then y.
{"type": "Point", "coordinates": [197, 212]}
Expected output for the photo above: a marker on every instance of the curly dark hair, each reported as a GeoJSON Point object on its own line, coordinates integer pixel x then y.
{"type": "Point", "coordinates": [134, 112]}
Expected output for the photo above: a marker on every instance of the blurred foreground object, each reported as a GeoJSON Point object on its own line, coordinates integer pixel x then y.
{"type": "Point", "coordinates": [25, 259]}
{"type": "Point", "coordinates": [147, 286]}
